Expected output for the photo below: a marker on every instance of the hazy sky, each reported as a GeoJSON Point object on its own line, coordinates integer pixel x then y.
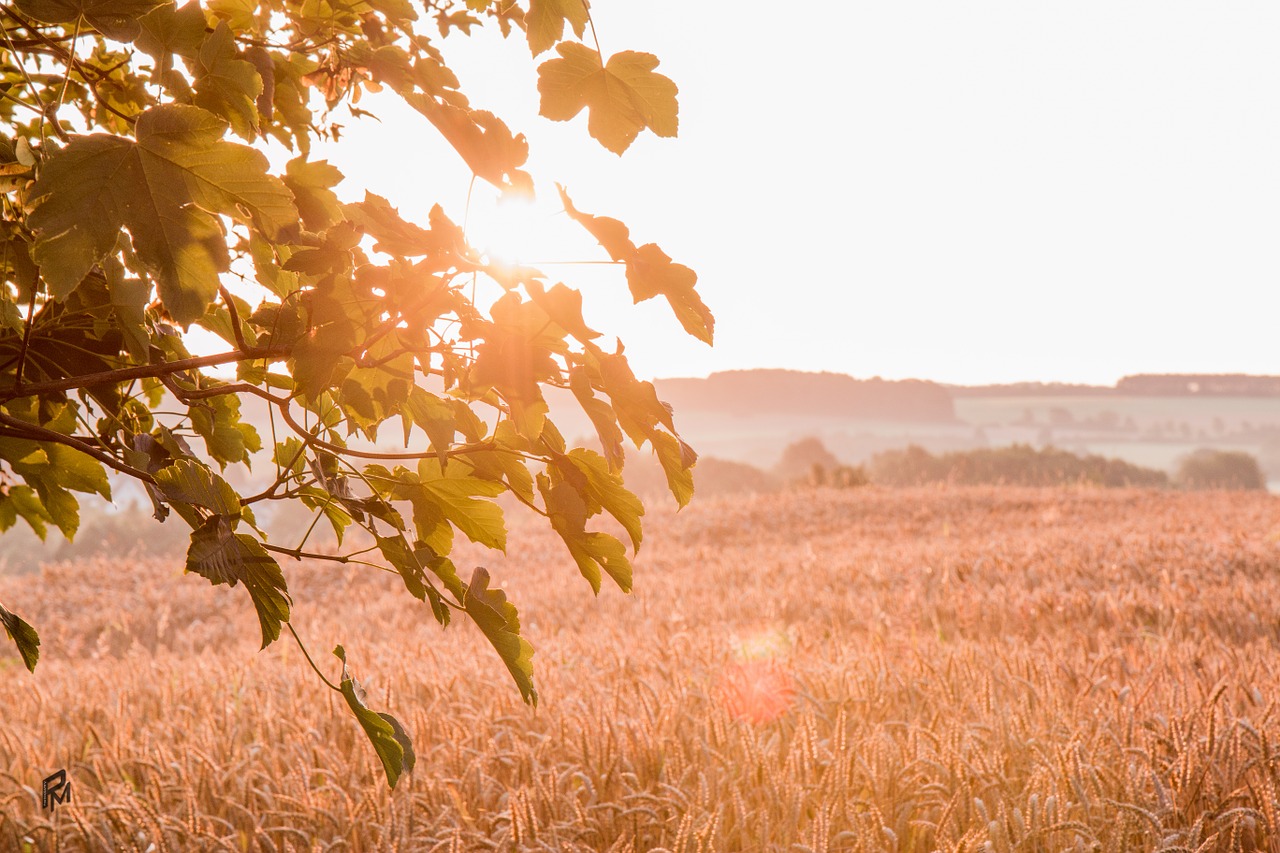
{"type": "Point", "coordinates": [969, 192]}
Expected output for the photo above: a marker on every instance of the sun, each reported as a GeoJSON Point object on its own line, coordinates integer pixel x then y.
{"type": "Point", "coordinates": [518, 231]}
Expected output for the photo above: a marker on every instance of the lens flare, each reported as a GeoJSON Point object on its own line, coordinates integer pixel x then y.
{"type": "Point", "coordinates": [757, 687]}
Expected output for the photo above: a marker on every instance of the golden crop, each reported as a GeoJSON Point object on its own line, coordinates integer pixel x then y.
{"type": "Point", "coordinates": [1033, 670]}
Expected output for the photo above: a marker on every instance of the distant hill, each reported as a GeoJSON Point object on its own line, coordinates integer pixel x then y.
{"type": "Point", "coordinates": [793, 392]}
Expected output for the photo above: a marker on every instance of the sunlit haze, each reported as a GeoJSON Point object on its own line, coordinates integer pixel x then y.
{"type": "Point", "coordinates": [985, 192]}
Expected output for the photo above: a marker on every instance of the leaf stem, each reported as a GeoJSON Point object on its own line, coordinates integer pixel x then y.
{"type": "Point", "coordinates": [307, 655]}
{"type": "Point", "coordinates": [235, 317]}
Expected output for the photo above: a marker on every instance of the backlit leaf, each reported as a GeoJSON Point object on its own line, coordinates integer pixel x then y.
{"type": "Point", "coordinates": [227, 85]}
{"type": "Point", "coordinates": [172, 29]}
{"type": "Point", "coordinates": [498, 619]}
{"type": "Point", "coordinates": [650, 272]}
{"type": "Point", "coordinates": [23, 636]}
{"type": "Point", "coordinates": [677, 459]}
{"type": "Point", "coordinates": [568, 511]}
{"type": "Point", "coordinates": [623, 96]}
{"type": "Point", "coordinates": [311, 185]}
{"type": "Point", "coordinates": [167, 188]}
{"type": "Point", "coordinates": [115, 19]}
{"type": "Point", "coordinates": [189, 482]}
{"type": "Point", "coordinates": [590, 474]}
{"type": "Point", "coordinates": [389, 738]}
{"type": "Point", "coordinates": [545, 20]}
{"type": "Point", "coordinates": [222, 556]}
{"type": "Point", "coordinates": [457, 496]}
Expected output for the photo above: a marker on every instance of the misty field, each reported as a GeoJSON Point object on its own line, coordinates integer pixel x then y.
{"type": "Point", "coordinates": [958, 669]}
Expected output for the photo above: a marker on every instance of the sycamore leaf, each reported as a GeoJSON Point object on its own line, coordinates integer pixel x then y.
{"type": "Point", "coordinates": [434, 416]}
{"type": "Point", "coordinates": [394, 234]}
{"type": "Point", "coordinates": [26, 505]}
{"type": "Point", "coordinates": [167, 188]}
{"type": "Point", "coordinates": [225, 557]}
{"type": "Point", "coordinates": [564, 306]}
{"type": "Point", "coordinates": [568, 511]}
{"type": "Point", "coordinates": [650, 273]}
{"type": "Point", "coordinates": [172, 29]}
{"type": "Point", "coordinates": [23, 636]}
{"type": "Point", "coordinates": [412, 563]}
{"type": "Point", "coordinates": [544, 22]}
{"type": "Point", "coordinates": [190, 482]}
{"type": "Point", "coordinates": [311, 185]}
{"type": "Point", "coordinates": [504, 461]}
{"type": "Point", "coordinates": [623, 96]}
{"type": "Point", "coordinates": [602, 418]}
{"type": "Point", "coordinates": [677, 460]}
{"type": "Point", "coordinates": [74, 470]}
{"type": "Point", "coordinates": [482, 139]}
{"type": "Point", "coordinates": [389, 738]}
{"type": "Point", "coordinates": [217, 421]}
{"type": "Point", "coordinates": [590, 475]}
{"type": "Point", "coordinates": [227, 85]}
{"type": "Point", "coordinates": [498, 619]}
{"type": "Point", "coordinates": [115, 19]}
{"type": "Point", "coordinates": [457, 497]}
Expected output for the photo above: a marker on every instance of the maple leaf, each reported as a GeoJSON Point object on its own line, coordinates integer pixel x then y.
{"type": "Point", "coordinates": [115, 19]}
{"type": "Point", "coordinates": [624, 95]}
{"type": "Point", "coordinates": [168, 189]}
{"type": "Point", "coordinates": [650, 271]}
{"type": "Point", "coordinates": [483, 140]}
{"type": "Point", "coordinates": [544, 22]}
{"type": "Point", "coordinates": [226, 85]}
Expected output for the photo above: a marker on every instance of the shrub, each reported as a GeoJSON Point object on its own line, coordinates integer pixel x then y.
{"type": "Point", "coordinates": [1220, 469]}
{"type": "Point", "coordinates": [800, 457]}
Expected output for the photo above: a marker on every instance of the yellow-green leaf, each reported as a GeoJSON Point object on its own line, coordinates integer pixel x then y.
{"type": "Point", "coordinates": [115, 19]}
{"type": "Point", "coordinates": [168, 187]}
{"type": "Point", "coordinates": [456, 495]}
{"type": "Point", "coordinates": [172, 29]}
{"type": "Point", "coordinates": [23, 636]}
{"type": "Point", "coordinates": [498, 619]}
{"type": "Point", "coordinates": [227, 85]}
{"type": "Point", "coordinates": [389, 738]}
{"type": "Point", "coordinates": [623, 96]}
{"type": "Point", "coordinates": [190, 482]}
{"type": "Point", "coordinates": [222, 556]}
{"type": "Point", "coordinates": [544, 22]}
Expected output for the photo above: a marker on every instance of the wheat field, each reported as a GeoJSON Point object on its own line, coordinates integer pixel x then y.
{"type": "Point", "coordinates": [945, 669]}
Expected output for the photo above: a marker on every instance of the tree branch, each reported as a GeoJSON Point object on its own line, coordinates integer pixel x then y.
{"type": "Point", "coordinates": [21, 429]}
{"type": "Point", "coordinates": [144, 371]}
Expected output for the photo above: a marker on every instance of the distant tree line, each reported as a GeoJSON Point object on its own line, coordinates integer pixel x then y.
{"type": "Point", "coordinates": [1017, 465]}
{"type": "Point", "coordinates": [1199, 384]}
{"type": "Point", "coordinates": [808, 463]}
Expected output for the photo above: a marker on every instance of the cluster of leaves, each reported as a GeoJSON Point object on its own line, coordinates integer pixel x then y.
{"type": "Point", "coordinates": [129, 214]}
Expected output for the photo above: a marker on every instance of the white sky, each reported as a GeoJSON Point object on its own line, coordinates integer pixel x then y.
{"type": "Point", "coordinates": [969, 192]}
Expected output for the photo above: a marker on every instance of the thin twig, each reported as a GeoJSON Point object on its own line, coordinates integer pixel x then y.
{"type": "Point", "coordinates": [26, 337]}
